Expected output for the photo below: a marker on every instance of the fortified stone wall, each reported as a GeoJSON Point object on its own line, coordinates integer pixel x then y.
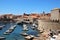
{"type": "Point", "coordinates": [55, 14]}
{"type": "Point", "coordinates": [47, 25]}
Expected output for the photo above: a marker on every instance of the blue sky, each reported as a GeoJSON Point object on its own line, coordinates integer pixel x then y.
{"type": "Point", "coordinates": [27, 6]}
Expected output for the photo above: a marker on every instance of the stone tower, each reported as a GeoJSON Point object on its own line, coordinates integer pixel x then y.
{"type": "Point", "coordinates": [55, 14]}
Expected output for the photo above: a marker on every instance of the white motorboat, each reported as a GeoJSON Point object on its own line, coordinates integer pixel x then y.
{"type": "Point", "coordinates": [2, 38]}
{"type": "Point", "coordinates": [29, 37]}
{"type": "Point", "coordinates": [10, 29]}
{"type": "Point", "coordinates": [7, 32]}
{"type": "Point", "coordinates": [24, 34]}
{"type": "Point", "coordinates": [25, 27]}
{"type": "Point", "coordinates": [34, 26]}
{"type": "Point", "coordinates": [1, 27]}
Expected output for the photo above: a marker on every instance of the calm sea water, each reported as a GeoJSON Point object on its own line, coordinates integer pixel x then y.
{"type": "Point", "coordinates": [15, 35]}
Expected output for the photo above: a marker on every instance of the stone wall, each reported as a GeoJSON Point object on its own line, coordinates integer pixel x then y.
{"type": "Point", "coordinates": [47, 25]}
{"type": "Point", "coordinates": [55, 13]}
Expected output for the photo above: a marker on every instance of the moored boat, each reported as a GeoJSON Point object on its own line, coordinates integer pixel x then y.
{"type": "Point", "coordinates": [2, 38]}
{"type": "Point", "coordinates": [29, 37]}
{"type": "Point", "coordinates": [24, 34]}
{"type": "Point", "coordinates": [10, 29]}
{"type": "Point", "coordinates": [25, 28]}
{"type": "Point", "coordinates": [2, 27]}
{"type": "Point", "coordinates": [34, 26]}
{"type": "Point", "coordinates": [7, 32]}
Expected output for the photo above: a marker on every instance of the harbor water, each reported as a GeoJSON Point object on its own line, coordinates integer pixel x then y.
{"type": "Point", "coordinates": [15, 35]}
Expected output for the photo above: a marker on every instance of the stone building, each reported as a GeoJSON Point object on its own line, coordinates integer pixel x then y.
{"type": "Point", "coordinates": [55, 14]}
{"type": "Point", "coordinates": [45, 16]}
{"type": "Point", "coordinates": [48, 24]}
{"type": "Point", "coordinates": [27, 17]}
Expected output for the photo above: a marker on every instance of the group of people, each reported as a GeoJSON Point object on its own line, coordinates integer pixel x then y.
{"type": "Point", "coordinates": [49, 35]}
{"type": "Point", "coordinates": [54, 35]}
